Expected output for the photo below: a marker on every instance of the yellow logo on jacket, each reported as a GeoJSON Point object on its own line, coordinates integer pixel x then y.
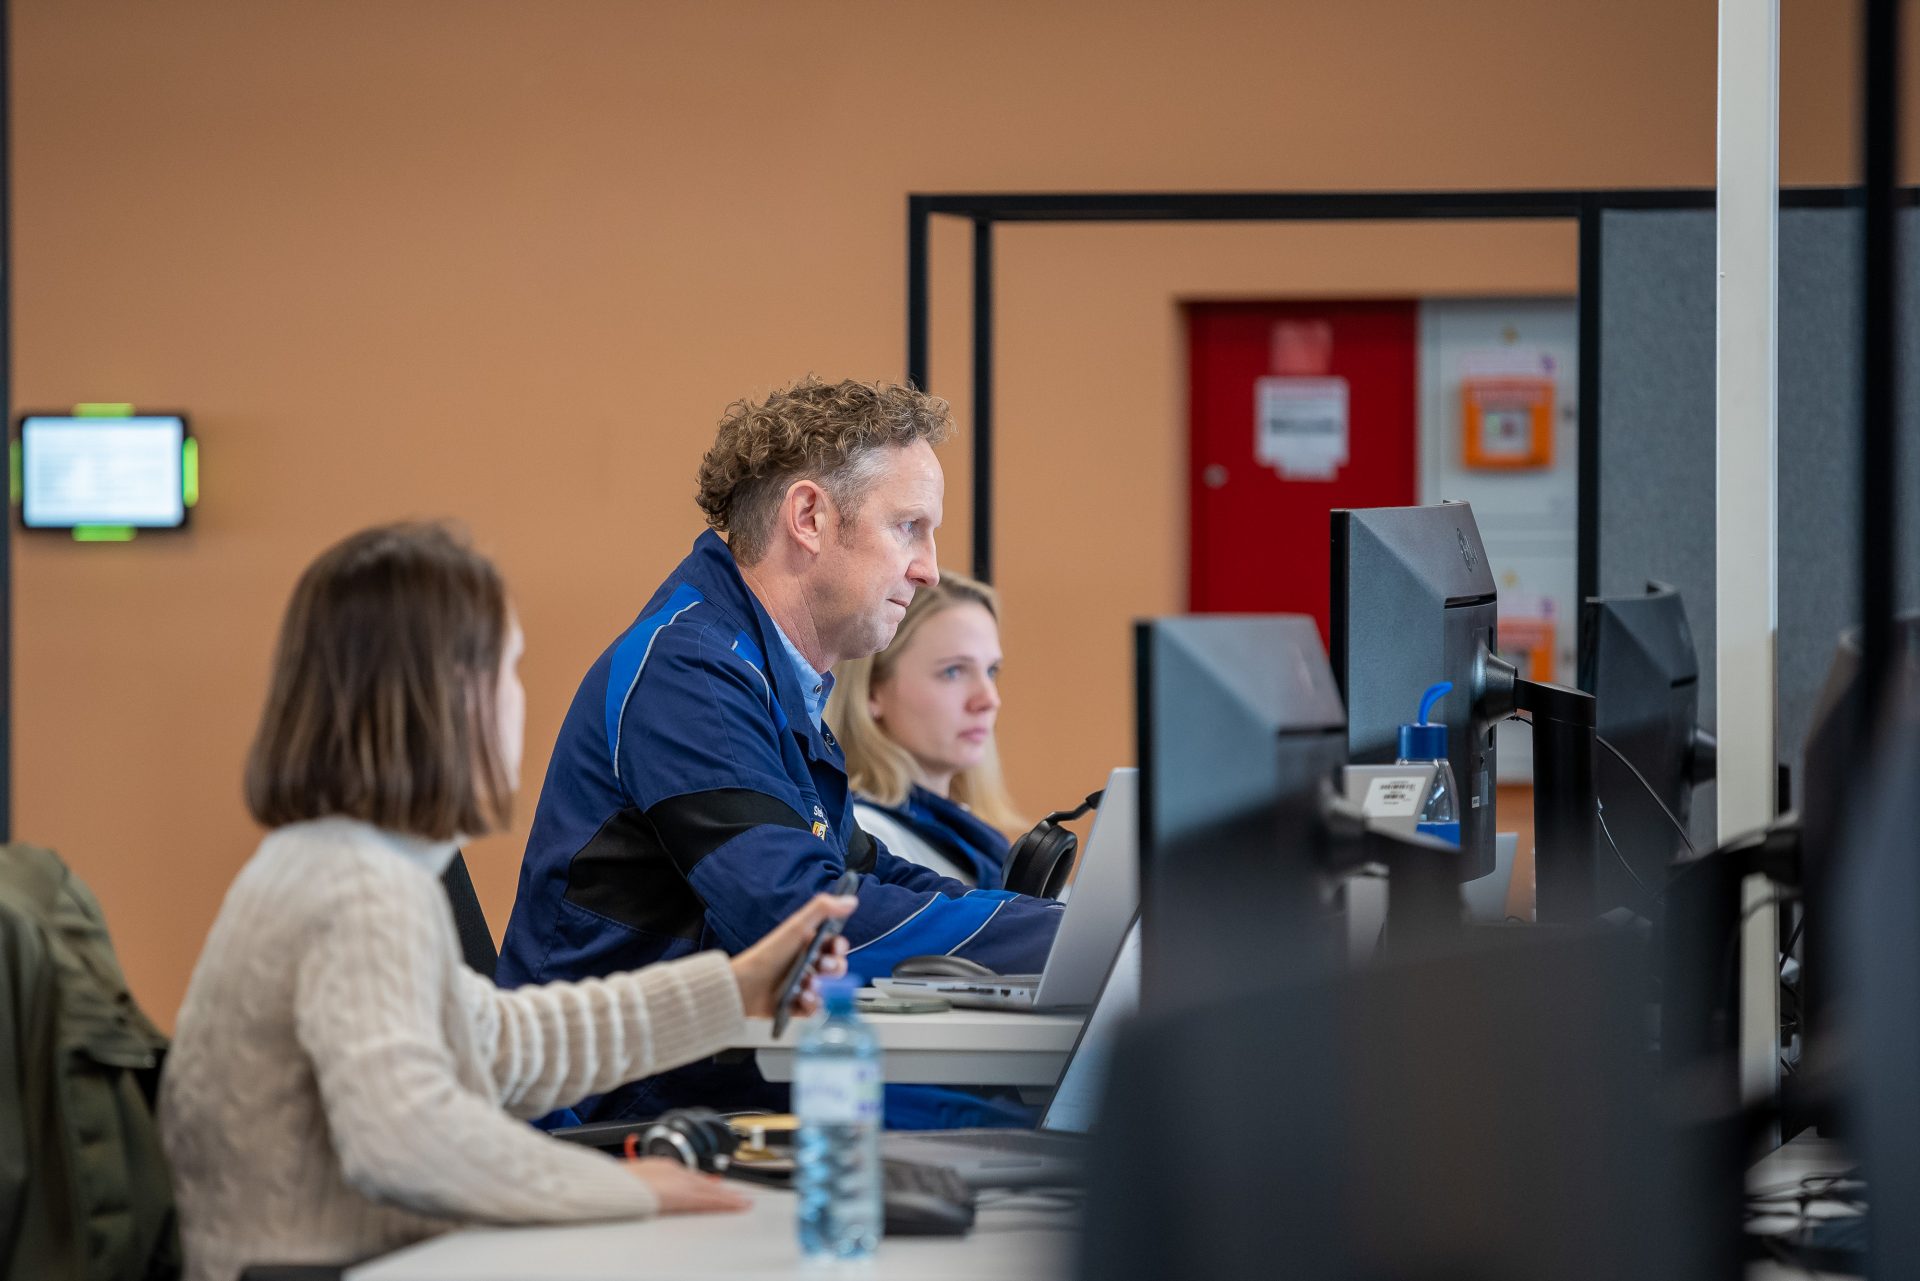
{"type": "Point", "coordinates": [820, 830]}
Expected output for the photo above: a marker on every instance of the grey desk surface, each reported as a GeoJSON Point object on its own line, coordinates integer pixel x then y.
{"type": "Point", "coordinates": [1019, 1238]}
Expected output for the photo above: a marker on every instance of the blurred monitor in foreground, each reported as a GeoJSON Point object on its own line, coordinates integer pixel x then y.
{"type": "Point", "coordinates": [1486, 1111]}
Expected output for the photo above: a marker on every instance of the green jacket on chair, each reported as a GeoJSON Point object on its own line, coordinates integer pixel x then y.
{"type": "Point", "coordinates": [84, 1192]}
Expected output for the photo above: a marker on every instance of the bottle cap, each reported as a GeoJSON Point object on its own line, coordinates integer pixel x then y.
{"type": "Point", "coordinates": [837, 992]}
{"type": "Point", "coordinates": [1424, 741]}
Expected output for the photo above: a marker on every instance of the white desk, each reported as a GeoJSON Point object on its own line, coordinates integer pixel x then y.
{"type": "Point", "coordinates": [959, 1047]}
{"type": "Point", "coordinates": [1013, 1240]}
{"type": "Point", "coordinates": [1016, 1240]}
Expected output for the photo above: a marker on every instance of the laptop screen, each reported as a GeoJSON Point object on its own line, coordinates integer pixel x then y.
{"type": "Point", "coordinates": [1077, 1099]}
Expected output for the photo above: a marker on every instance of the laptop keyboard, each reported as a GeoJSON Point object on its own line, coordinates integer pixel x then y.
{"type": "Point", "coordinates": [1022, 1141]}
{"type": "Point", "coordinates": [925, 1200]}
{"type": "Point", "coordinates": [929, 1180]}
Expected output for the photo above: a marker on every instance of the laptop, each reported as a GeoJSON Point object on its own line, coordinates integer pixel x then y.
{"type": "Point", "coordinates": [1051, 1155]}
{"type": "Point", "coordinates": [1105, 895]}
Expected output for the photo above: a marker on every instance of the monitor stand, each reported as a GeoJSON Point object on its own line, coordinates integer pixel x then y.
{"type": "Point", "coordinates": [1566, 798]}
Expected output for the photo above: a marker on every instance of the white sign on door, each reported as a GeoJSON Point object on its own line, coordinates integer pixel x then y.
{"type": "Point", "coordinates": [1300, 426]}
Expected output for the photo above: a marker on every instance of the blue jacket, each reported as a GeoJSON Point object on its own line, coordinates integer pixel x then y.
{"type": "Point", "coordinates": [952, 829]}
{"type": "Point", "coordinates": [691, 803]}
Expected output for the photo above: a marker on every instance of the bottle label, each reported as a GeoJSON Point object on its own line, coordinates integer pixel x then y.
{"type": "Point", "coordinates": [836, 1092]}
{"type": "Point", "coordinates": [1391, 797]}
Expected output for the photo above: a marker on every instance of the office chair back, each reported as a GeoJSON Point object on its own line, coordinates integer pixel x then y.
{"type": "Point", "coordinates": [476, 940]}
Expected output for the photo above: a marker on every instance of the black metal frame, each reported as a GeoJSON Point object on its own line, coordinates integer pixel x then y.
{"type": "Point", "coordinates": [1879, 454]}
{"type": "Point", "coordinates": [1584, 208]}
{"type": "Point", "coordinates": [6, 413]}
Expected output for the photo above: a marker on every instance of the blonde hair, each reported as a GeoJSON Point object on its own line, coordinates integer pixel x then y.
{"type": "Point", "coordinates": [879, 768]}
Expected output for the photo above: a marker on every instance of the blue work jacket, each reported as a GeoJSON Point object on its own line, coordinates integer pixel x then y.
{"type": "Point", "coordinates": [953, 831]}
{"type": "Point", "coordinates": [690, 803]}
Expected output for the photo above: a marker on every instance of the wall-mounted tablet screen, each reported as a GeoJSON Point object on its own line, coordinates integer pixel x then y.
{"type": "Point", "coordinates": [103, 471]}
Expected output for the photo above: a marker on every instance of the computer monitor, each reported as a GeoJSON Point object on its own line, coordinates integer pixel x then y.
{"type": "Point", "coordinates": [1875, 881]}
{"type": "Point", "coordinates": [1491, 1111]}
{"type": "Point", "coordinates": [1637, 659]}
{"type": "Point", "coordinates": [1832, 767]}
{"type": "Point", "coordinates": [1240, 734]}
{"type": "Point", "coordinates": [1414, 603]}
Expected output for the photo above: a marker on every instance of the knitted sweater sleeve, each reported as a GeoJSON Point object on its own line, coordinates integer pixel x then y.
{"type": "Point", "coordinates": [551, 1045]}
{"type": "Point", "coordinates": [369, 1007]}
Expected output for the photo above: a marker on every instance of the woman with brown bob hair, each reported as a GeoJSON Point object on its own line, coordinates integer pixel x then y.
{"type": "Point", "coordinates": [340, 1083]}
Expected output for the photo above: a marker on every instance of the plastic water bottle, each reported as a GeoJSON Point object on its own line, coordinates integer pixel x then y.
{"type": "Point", "coordinates": [1420, 743]}
{"type": "Point", "coordinates": [836, 1095]}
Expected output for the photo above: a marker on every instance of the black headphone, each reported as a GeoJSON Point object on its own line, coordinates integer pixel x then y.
{"type": "Point", "coordinates": [699, 1138]}
{"type": "Point", "coordinates": [1041, 861]}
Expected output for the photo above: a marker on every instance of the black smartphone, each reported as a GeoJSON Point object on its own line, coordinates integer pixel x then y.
{"type": "Point", "coordinates": [790, 986]}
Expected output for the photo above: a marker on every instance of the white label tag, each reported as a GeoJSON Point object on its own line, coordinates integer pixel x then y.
{"type": "Point", "coordinates": [1300, 426]}
{"type": "Point", "coordinates": [1392, 797]}
{"type": "Point", "coordinates": [836, 1091]}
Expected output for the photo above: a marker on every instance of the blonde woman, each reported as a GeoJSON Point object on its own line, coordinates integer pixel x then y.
{"type": "Point", "coordinates": [916, 722]}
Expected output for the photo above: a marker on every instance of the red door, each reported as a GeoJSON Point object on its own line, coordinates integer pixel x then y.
{"type": "Point", "coordinates": [1296, 409]}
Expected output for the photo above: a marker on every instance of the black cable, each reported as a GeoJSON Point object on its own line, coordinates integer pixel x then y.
{"type": "Point", "coordinates": [1600, 812]}
{"type": "Point", "coordinates": [1678, 826]}
{"type": "Point", "coordinates": [1786, 954]}
{"type": "Point", "coordinates": [1786, 949]}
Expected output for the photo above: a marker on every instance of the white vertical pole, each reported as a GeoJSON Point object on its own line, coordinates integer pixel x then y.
{"type": "Point", "coordinates": [1745, 526]}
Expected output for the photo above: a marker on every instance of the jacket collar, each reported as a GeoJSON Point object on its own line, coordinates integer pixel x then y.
{"type": "Point", "coordinates": [711, 568]}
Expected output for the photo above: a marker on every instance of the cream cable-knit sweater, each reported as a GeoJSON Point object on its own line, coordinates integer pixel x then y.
{"type": "Point", "coordinates": [341, 1084]}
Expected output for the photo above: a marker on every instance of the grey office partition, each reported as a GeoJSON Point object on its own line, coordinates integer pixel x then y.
{"type": "Point", "coordinates": [1656, 436]}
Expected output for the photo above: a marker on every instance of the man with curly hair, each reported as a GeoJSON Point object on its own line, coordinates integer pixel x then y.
{"type": "Point", "coordinates": [695, 798]}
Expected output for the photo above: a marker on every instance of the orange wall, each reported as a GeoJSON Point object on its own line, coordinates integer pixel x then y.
{"type": "Point", "coordinates": [506, 260]}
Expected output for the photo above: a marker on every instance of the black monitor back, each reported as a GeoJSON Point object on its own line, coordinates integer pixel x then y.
{"type": "Point", "coordinates": [1637, 659]}
{"type": "Point", "coordinates": [1240, 730]}
{"type": "Point", "coordinates": [1874, 914]}
{"type": "Point", "coordinates": [1414, 603]}
{"type": "Point", "coordinates": [1489, 1112]}
{"type": "Point", "coordinates": [1830, 774]}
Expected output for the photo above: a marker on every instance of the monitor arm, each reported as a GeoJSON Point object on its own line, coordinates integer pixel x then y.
{"type": "Point", "coordinates": [1565, 793]}
{"type": "Point", "coordinates": [1703, 757]}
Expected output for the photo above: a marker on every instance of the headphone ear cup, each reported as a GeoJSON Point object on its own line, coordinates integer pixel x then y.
{"type": "Point", "coordinates": [664, 1138]}
{"type": "Point", "coordinates": [698, 1138]}
{"type": "Point", "coordinates": [1022, 857]}
{"type": "Point", "coordinates": [1060, 866]}
{"type": "Point", "coordinates": [1041, 861]}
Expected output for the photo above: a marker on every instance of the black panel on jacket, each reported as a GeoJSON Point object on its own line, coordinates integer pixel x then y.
{"type": "Point", "coordinates": [626, 875]}
{"type": "Point", "coordinates": [694, 825]}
